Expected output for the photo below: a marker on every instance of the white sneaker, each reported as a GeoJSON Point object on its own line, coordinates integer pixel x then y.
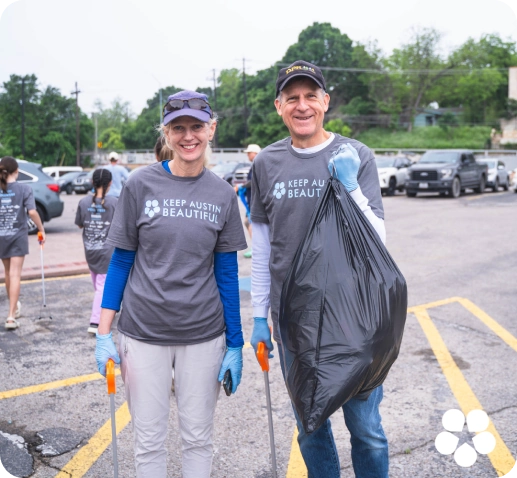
{"type": "Point", "coordinates": [18, 311]}
{"type": "Point", "coordinates": [11, 323]}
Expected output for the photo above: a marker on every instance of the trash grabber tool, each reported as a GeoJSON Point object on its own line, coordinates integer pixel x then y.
{"type": "Point", "coordinates": [43, 311]}
{"type": "Point", "coordinates": [263, 359]}
{"type": "Point", "coordinates": [112, 389]}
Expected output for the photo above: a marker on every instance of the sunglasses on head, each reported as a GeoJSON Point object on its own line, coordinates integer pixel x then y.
{"type": "Point", "coordinates": [193, 104]}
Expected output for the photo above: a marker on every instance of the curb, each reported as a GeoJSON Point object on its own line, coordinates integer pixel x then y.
{"type": "Point", "coordinates": [57, 270]}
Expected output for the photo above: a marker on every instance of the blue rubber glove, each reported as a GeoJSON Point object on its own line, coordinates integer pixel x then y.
{"type": "Point", "coordinates": [344, 166]}
{"type": "Point", "coordinates": [104, 350]}
{"type": "Point", "coordinates": [261, 333]}
{"type": "Point", "coordinates": [232, 361]}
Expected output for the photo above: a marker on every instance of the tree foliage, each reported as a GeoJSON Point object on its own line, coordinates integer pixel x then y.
{"type": "Point", "coordinates": [50, 128]}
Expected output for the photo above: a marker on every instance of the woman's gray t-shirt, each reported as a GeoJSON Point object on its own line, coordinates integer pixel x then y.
{"type": "Point", "coordinates": [175, 224]}
{"type": "Point", "coordinates": [14, 204]}
{"type": "Point", "coordinates": [95, 219]}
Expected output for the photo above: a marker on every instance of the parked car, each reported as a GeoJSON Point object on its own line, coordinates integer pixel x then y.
{"type": "Point", "coordinates": [392, 173]}
{"type": "Point", "coordinates": [448, 172]}
{"type": "Point", "coordinates": [45, 190]}
{"type": "Point", "coordinates": [498, 176]}
{"type": "Point", "coordinates": [83, 183]}
{"type": "Point", "coordinates": [65, 182]}
{"type": "Point", "coordinates": [226, 171]}
{"type": "Point", "coordinates": [56, 172]}
{"type": "Point", "coordinates": [241, 175]}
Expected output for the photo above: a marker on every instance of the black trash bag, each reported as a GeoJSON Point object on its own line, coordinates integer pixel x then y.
{"type": "Point", "coordinates": [342, 310]}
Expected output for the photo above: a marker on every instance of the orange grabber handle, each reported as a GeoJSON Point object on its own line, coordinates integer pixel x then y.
{"type": "Point", "coordinates": [110, 376]}
{"type": "Point", "coordinates": [40, 238]}
{"type": "Point", "coordinates": [263, 356]}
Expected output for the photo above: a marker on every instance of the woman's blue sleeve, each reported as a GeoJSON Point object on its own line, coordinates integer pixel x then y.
{"type": "Point", "coordinates": [226, 276]}
{"type": "Point", "coordinates": [118, 273]}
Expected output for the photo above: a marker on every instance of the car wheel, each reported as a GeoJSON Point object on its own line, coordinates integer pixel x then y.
{"type": "Point", "coordinates": [481, 188]}
{"type": "Point", "coordinates": [506, 184]}
{"type": "Point", "coordinates": [392, 186]}
{"type": "Point", "coordinates": [69, 189]}
{"type": "Point", "coordinates": [33, 229]}
{"type": "Point", "coordinates": [495, 188]}
{"type": "Point", "coordinates": [410, 194]}
{"type": "Point", "coordinates": [455, 190]}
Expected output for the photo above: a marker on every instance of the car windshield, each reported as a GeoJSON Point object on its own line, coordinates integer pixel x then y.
{"type": "Point", "coordinates": [490, 164]}
{"type": "Point", "coordinates": [439, 157]}
{"type": "Point", "coordinates": [224, 168]}
{"type": "Point", "coordinates": [385, 162]}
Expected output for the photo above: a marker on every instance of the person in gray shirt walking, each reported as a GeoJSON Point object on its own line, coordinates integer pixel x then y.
{"type": "Point", "coordinates": [119, 174]}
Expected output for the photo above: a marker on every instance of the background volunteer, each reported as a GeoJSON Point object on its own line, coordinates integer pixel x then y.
{"type": "Point", "coordinates": [252, 150]}
{"type": "Point", "coordinates": [176, 231]}
{"type": "Point", "coordinates": [288, 178]}
{"type": "Point", "coordinates": [94, 216]}
{"type": "Point", "coordinates": [119, 174]}
{"type": "Point", "coordinates": [16, 202]}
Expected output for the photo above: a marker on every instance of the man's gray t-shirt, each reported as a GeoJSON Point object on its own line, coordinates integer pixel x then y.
{"type": "Point", "coordinates": [286, 186]}
{"type": "Point", "coordinates": [95, 218]}
{"type": "Point", "coordinates": [175, 224]}
{"type": "Point", "coordinates": [14, 204]}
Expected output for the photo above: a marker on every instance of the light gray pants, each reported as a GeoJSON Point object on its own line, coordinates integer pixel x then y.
{"type": "Point", "coordinates": [147, 374]}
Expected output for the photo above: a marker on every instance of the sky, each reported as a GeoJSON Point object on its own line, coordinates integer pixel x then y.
{"type": "Point", "coordinates": [131, 48]}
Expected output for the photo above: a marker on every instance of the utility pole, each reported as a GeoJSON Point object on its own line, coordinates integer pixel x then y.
{"type": "Point", "coordinates": [23, 117]}
{"type": "Point", "coordinates": [96, 140]}
{"type": "Point", "coordinates": [214, 107]}
{"type": "Point", "coordinates": [245, 98]}
{"type": "Point", "coordinates": [77, 143]}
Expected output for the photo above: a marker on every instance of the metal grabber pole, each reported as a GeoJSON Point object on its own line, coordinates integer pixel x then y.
{"type": "Point", "coordinates": [112, 389]}
{"type": "Point", "coordinates": [263, 359]}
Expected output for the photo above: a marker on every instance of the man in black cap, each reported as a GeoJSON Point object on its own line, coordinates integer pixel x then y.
{"type": "Point", "coordinates": [288, 178]}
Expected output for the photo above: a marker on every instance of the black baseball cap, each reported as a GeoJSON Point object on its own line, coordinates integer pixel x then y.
{"type": "Point", "coordinates": [297, 69]}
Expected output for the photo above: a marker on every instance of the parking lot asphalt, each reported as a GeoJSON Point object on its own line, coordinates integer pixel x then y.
{"type": "Point", "coordinates": [459, 351]}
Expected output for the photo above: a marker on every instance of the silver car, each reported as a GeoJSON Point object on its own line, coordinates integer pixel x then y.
{"type": "Point", "coordinates": [45, 190]}
{"type": "Point", "coordinates": [498, 175]}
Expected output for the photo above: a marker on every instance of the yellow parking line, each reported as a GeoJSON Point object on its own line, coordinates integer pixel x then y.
{"type": "Point", "coordinates": [501, 458]}
{"type": "Point", "coordinates": [51, 385]}
{"type": "Point", "coordinates": [296, 467]}
{"type": "Point", "coordinates": [494, 326]}
{"type": "Point", "coordinates": [83, 460]}
{"type": "Point", "coordinates": [78, 276]}
{"type": "Point", "coordinates": [430, 305]}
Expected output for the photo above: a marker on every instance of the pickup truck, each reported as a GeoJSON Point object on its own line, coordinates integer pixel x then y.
{"type": "Point", "coordinates": [448, 172]}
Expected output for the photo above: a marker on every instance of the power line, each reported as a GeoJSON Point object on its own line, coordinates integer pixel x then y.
{"type": "Point", "coordinates": [449, 71]}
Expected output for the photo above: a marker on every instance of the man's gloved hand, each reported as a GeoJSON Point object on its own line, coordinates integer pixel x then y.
{"type": "Point", "coordinates": [104, 350]}
{"type": "Point", "coordinates": [261, 333]}
{"type": "Point", "coordinates": [232, 361]}
{"type": "Point", "coordinates": [344, 166]}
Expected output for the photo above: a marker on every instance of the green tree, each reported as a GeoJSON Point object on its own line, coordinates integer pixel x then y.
{"type": "Point", "coordinates": [50, 130]}
{"type": "Point", "coordinates": [420, 67]}
{"type": "Point", "coordinates": [142, 133]}
{"type": "Point", "coordinates": [338, 126]}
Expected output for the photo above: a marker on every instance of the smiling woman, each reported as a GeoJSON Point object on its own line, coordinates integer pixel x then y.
{"type": "Point", "coordinates": [176, 231]}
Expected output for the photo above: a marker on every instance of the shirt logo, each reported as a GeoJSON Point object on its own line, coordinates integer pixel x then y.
{"type": "Point", "coordinates": [279, 190]}
{"type": "Point", "coordinates": [151, 207]}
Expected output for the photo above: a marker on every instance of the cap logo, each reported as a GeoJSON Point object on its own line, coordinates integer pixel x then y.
{"type": "Point", "coordinates": [290, 70]}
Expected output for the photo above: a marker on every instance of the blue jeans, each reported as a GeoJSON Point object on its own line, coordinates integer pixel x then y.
{"type": "Point", "coordinates": [370, 457]}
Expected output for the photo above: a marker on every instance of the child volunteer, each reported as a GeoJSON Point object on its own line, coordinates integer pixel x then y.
{"type": "Point", "coordinates": [94, 216]}
{"type": "Point", "coordinates": [176, 233]}
{"type": "Point", "coordinates": [16, 201]}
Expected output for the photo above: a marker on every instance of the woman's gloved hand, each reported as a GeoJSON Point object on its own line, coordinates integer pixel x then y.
{"type": "Point", "coordinates": [232, 361]}
{"type": "Point", "coordinates": [104, 350]}
{"type": "Point", "coordinates": [261, 333]}
{"type": "Point", "coordinates": [344, 166]}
